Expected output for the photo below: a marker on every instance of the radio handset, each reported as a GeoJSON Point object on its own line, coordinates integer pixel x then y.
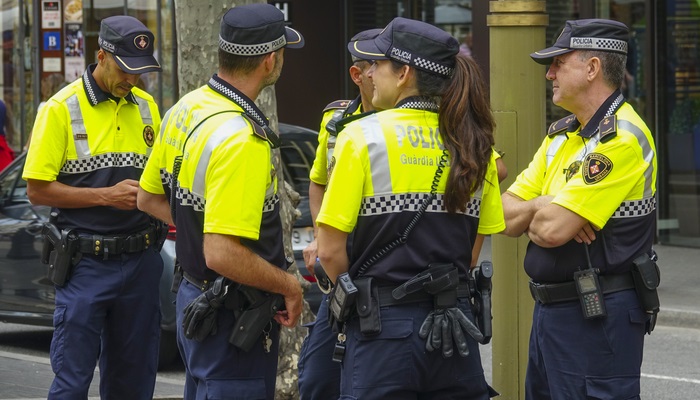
{"type": "Point", "coordinates": [589, 290]}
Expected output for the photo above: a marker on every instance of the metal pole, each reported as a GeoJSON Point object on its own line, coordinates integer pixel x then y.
{"type": "Point", "coordinates": [516, 29]}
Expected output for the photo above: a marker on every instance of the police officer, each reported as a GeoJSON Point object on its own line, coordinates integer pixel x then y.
{"type": "Point", "coordinates": [91, 141]}
{"type": "Point", "coordinates": [319, 375]}
{"type": "Point", "coordinates": [423, 177]}
{"type": "Point", "coordinates": [586, 199]}
{"type": "Point", "coordinates": [226, 207]}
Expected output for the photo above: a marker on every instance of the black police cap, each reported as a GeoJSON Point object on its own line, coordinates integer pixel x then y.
{"type": "Point", "coordinates": [413, 43]}
{"type": "Point", "coordinates": [586, 34]}
{"type": "Point", "coordinates": [364, 35]}
{"type": "Point", "coordinates": [130, 42]}
{"type": "Point", "coordinates": [256, 29]}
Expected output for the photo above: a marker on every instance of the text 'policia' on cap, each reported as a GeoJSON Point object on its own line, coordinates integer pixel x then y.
{"type": "Point", "coordinates": [586, 34]}
{"type": "Point", "coordinates": [413, 43]}
{"type": "Point", "coordinates": [256, 29]}
{"type": "Point", "coordinates": [130, 42]}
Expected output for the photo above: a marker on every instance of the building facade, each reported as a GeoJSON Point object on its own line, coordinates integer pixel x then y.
{"type": "Point", "coordinates": [48, 42]}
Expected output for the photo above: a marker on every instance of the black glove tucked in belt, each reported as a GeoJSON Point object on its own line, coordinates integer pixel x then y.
{"type": "Point", "coordinates": [201, 313]}
{"type": "Point", "coordinates": [446, 327]}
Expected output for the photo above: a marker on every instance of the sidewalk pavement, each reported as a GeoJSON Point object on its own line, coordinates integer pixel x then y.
{"type": "Point", "coordinates": [28, 377]}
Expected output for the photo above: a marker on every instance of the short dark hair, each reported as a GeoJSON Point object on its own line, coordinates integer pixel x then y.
{"type": "Point", "coordinates": [613, 65]}
{"type": "Point", "coordinates": [242, 64]}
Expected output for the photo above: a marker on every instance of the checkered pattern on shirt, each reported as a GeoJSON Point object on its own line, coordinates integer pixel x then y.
{"type": "Point", "coordinates": [197, 202]}
{"type": "Point", "coordinates": [107, 160]}
{"type": "Point", "coordinates": [165, 177]}
{"type": "Point", "coordinates": [635, 208]}
{"type": "Point", "coordinates": [432, 66]}
{"type": "Point", "coordinates": [396, 203]}
{"type": "Point", "coordinates": [238, 100]}
{"type": "Point", "coordinates": [90, 91]}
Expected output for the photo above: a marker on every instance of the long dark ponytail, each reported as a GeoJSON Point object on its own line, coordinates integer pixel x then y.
{"type": "Point", "coordinates": [466, 126]}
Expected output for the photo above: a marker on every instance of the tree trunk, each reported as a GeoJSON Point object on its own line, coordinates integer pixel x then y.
{"type": "Point", "coordinates": [197, 41]}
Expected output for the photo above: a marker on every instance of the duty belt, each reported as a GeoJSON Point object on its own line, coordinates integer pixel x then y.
{"type": "Point", "coordinates": [199, 283]}
{"type": "Point", "coordinates": [566, 291]}
{"type": "Point", "coordinates": [117, 244]}
{"type": "Point", "coordinates": [386, 298]}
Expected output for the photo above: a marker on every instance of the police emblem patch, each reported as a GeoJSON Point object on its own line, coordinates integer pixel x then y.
{"type": "Point", "coordinates": [149, 136]}
{"type": "Point", "coordinates": [141, 42]}
{"type": "Point", "coordinates": [596, 168]}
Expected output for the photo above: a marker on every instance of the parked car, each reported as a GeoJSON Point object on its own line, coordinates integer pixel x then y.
{"type": "Point", "coordinates": [28, 297]}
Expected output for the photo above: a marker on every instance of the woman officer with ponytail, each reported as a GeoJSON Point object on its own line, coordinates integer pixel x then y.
{"type": "Point", "coordinates": [415, 183]}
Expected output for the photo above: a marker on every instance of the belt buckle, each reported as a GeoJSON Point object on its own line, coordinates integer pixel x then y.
{"type": "Point", "coordinates": [107, 243]}
{"type": "Point", "coordinates": [539, 292]}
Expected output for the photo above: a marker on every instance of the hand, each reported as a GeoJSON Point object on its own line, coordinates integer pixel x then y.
{"type": "Point", "coordinates": [586, 234]}
{"type": "Point", "coordinates": [123, 195]}
{"type": "Point", "coordinates": [292, 304]}
{"type": "Point", "coordinates": [310, 256]}
{"type": "Point", "coordinates": [201, 314]}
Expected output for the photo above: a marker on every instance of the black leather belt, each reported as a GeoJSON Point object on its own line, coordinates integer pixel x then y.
{"type": "Point", "coordinates": [199, 283]}
{"type": "Point", "coordinates": [116, 244]}
{"type": "Point", "coordinates": [386, 298]}
{"type": "Point", "coordinates": [566, 291]}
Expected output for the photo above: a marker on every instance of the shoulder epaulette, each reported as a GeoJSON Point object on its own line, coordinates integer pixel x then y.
{"type": "Point", "coordinates": [561, 125]}
{"type": "Point", "coordinates": [340, 125]}
{"type": "Point", "coordinates": [264, 133]}
{"type": "Point", "coordinates": [336, 105]}
{"type": "Point", "coordinates": [607, 128]}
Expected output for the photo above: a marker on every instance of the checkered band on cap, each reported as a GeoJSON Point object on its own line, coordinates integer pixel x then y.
{"type": "Point", "coordinates": [252, 49]}
{"type": "Point", "coordinates": [433, 67]}
{"type": "Point", "coordinates": [591, 43]}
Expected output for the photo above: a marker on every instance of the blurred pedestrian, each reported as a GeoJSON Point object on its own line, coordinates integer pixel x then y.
{"type": "Point", "coordinates": [7, 134]}
{"type": "Point", "coordinates": [91, 141]}
{"type": "Point", "coordinates": [587, 203]}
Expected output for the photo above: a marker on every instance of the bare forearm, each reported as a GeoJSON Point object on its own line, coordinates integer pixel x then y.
{"type": "Point", "coordinates": [332, 251]}
{"type": "Point", "coordinates": [519, 213]}
{"type": "Point", "coordinates": [228, 257]}
{"type": "Point", "coordinates": [316, 192]}
{"type": "Point", "coordinates": [155, 205]}
{"type": "Point", "coordinates": [56, 194]}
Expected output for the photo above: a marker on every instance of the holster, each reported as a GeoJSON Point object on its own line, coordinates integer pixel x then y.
{"type": "Point", "coordinates": [59, 252]}
{"type": "Point", "coordinates": [161, 232]}
{"type": "Point", "coordinates": [480, 287]}
{"type": "Point", "coordinates": [367, 304]}
{"type": "Point", "coordinates": [261, 308]}
{"type": "Point", "coordinates": [647, 277]}
{"type": "Point", "coordinates": [177, 278]}
{"type": "Point", "coordinates": [443, 286]}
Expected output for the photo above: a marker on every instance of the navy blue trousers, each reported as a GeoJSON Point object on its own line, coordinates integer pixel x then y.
{"type": "Point", "coordinates": [109, 309]}
{"type": "Point", "coordinates": [575, 358]}
{"type": "Point", "coordinates": [394, 364]}
{"type": "Point", "coordinates": [217, 370]}
{"type": "Point", "coordinates": [319, 375]}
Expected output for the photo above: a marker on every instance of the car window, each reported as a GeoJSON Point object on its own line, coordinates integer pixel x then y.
{"type": "Point", "coordinates": [298, 150]}
{"type": "Point", "coordinates": [13, 187]}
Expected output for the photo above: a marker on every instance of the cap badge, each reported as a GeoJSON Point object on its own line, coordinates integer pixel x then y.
{"type": "Point", "coordinates": [141, 42]}
{"type": "Point", "coordinates": [597, 167]}
{"type": "Point", "coordinates": [149, 136]}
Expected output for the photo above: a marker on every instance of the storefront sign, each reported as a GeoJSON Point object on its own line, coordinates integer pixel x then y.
{"type": "Point", "coordinates": [50, 14]}
{"type": "Point", "coordinates": [52, 41]}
